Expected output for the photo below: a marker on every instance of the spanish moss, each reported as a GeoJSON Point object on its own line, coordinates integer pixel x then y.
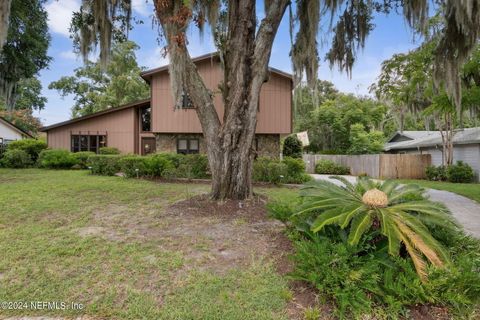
{"type": "Point", "coordinates": [4, 18]}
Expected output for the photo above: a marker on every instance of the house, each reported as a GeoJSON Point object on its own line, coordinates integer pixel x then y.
{"type": "Point", "coordinates": [466, 146]}
{"type": "Point", "coordinates": [10, 132]}
{"type": "Point", "coordinates": [155, 125]}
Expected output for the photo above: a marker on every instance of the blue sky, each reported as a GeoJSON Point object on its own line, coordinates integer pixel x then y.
{"type": "Point", "coordinates": [391, 35]}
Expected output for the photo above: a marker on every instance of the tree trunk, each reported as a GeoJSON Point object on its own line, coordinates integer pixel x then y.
{"type": "Point", "coordinates": [229, 142]}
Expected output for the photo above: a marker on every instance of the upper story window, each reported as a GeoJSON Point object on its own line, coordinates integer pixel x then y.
{"type": "Point", "coordinates": [146, 118]}
{"type": "Point", "coordinates": [186, 102]}
{"type": "Point", "coordinates": [87, 142]}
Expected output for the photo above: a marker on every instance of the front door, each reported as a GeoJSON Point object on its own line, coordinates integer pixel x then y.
{"type": "Point", "coordinates": [148, 146]}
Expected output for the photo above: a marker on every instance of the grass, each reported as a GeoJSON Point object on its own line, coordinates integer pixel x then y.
{"type": "Point", "coordinates": [469, 190]}
{"type": "Point", "coordinates": [67, 236]}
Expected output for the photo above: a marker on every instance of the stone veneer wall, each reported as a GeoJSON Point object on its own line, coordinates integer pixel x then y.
{"type": "Point", "coordinates": [268, 144]}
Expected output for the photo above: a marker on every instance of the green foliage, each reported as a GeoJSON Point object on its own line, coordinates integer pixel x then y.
{"type": "Point", "coordinates": [56, 159]}
{"type": "Point", "coordinates": [108, 150]}
{"type": "Point", "coordinates": [326, 166]}
{"type": "Point", "coordinates": [32, 147]}
{"type": "Point", "coordinates": [387, 207]}
{"type": "Point", "coordinates": [104, 164]}
{"type": "Point", "coordinates": [438, 173]}
{"type": "Point", "coordinates": [289, 170]}
{"type": "Point", "coordinates": [329, 123]}
{"type": "Point", "coordinates": [363, 142]}
{"type": "Point", "coordinates": [192, 166]}
{"type": "Point", "coordinates": [24, 53]}
{"type": "Point", "coordinates": [159, 164]}
{"type": "Point", "coordinates": [133, 166]}
{"type": "Point", "coordinates": [82, 158]}
{"type": "Point", "coordinates": [16, 158]}
{"type": "Point", "coordinates": [460, 173]}
{"type": "Point", "coordinates": [96, 88]}
{"type": "Point", "coordinates": [292, 147]}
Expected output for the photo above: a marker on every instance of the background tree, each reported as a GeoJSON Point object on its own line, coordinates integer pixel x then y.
{"type": "Point", "coordinates": [24, 53]}
{"type": "Point", "coordinates": [292, 147]}
{"type": "Point", "coordinates": [245, 50]}
{"type": "Point", "coordinates": [96, 88]}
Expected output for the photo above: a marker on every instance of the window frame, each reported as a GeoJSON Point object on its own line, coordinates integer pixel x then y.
{"type": "Point", "coordinates": [188, 150]}
{"type": "Point", "coordinates": [142, 110]}
{"type": "Point", "coordinates": [77, 147]}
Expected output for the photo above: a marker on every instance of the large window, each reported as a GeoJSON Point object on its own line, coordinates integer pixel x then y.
{"type": "Point", "coordinates": [187, 146]}
{"type": "Point", "coordinates": [88, 142]}
{"type": "Point", "coordinates": [146, 117]}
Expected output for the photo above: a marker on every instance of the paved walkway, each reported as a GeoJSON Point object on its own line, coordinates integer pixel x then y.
{"type": "Point", "coordinates": [466, 211]}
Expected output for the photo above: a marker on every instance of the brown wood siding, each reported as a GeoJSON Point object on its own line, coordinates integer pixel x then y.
{"type": "Point", "coordinates": [274, 111]}
{"type": "Point", "coordinates": [119, 127]}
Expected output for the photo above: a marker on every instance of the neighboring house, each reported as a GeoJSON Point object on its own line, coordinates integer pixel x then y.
{"type": "Point", "coordinates": [466, 146]}
{"type": "Point", "coordinates": [10, 132]}
{"type": "Point", "coordinates": [155, 125]}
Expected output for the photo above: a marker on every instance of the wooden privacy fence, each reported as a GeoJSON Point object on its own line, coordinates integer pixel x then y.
{"type": "Point", "coordinates": [380, 166]}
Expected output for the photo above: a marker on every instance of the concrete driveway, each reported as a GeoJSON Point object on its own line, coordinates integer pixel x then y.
{"type": "Point", "coordinates": [466, 211]}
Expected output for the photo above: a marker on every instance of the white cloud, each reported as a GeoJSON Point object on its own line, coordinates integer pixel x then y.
{"type": "Point", "coordinates": [152, 58]}
{"type": "Point", "coordinates": [60, 15]}
{"type": "Point", "coordinates": [68, 55]}
{"type": "Point", "coordinates": [143, 7]}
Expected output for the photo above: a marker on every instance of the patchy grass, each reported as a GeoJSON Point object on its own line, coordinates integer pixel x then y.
{"type": "Point", "coordinates": [469, 190]}
{"type": "Point", "coordinates": [115, 246]}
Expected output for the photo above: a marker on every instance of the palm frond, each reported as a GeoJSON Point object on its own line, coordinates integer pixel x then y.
{"type": "Point", "coordinates": [328, 217]}
{"type": "Point", "coordinates": [360, 224]}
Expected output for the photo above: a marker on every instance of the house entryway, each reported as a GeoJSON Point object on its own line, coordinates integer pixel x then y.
{"type": "Point", "coordinates": [148, 145]}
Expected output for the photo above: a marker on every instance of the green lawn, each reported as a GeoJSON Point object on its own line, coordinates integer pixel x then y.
{"type": "Point", "coordinates": [112, 245]}
{"type": "Point", "coordinates": [469, 190]}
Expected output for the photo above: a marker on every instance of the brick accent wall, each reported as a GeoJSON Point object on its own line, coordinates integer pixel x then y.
{"type": "Point", "coordinates": [268, 144]}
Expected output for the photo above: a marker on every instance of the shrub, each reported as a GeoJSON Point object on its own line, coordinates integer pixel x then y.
{"type": "Point", "coordinates": [133, 166]}
{"type": "Point", "coordinates": [275, 171]}
{"type": "Point", "coordinates": [32, 147]}
{"type": "Point", "coordinates": [104, 165]}
{"type": "Point", "coordinates": [460, 173]}
{"type": "Point", "coordinates": [56, 159]}
{"type": "Point", "coordinates": [400, 220]}
{"type": "Point", "coordinates": [158, 164]}
{"type": "Point", "coordinates": [82, 158]}
{"type": "Point", "coordinates": [16, 158]}
{"type": "Point", "coordinates": [292, 147]}
{"type": "Point", "coordinates": [108, 150]}
{"type": "Point", "coordinates": [191, 166]}
{"type": "Point", "coordinates": [436, 173]}
{"type": "Point", "coordinates": [326, 166]}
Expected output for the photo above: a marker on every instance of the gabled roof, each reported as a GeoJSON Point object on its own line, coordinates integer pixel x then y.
{"type": "Point", "coordinates": [14, 127]}
{"type": "Point", "coordinates": [96, 114]}
{"type": "Point", "coordinates": [465, 136]}
{"type": "Point", "coordinates": [412, 135]}
{"type": "Point", "coordinates": [146, 75]}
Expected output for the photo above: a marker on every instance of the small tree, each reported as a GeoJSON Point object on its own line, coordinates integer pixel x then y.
{"type": "Point", "coordinates": [363, 142]}
{"type": "Point", "coordinates": [292, 147]}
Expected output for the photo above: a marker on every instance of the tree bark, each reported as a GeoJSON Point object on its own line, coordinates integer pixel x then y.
{"type": "Point", "coordinates": [229, 142]}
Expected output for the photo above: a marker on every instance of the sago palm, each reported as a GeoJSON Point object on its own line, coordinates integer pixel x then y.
{"type": "Point", "coordinates": [386, 206]}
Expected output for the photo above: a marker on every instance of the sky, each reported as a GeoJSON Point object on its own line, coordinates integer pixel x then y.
{"type": "Point", "coordinates": [391, 35]}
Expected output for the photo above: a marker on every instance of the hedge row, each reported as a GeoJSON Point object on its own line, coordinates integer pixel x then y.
{"type": "Point", "coordinates": [458, 173]}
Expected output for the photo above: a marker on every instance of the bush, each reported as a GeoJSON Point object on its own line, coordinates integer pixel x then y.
{"type": "Point", "coordinates": [191, 166]}
{"type": "Point", "coordinates": [292, 147]}
{"type": "Point", "coordinates": [436, 173]}
{"type": "Point", "coordinates": [133, 166]}
{"type": "Point", "coordinates": [32, 147]}
{"type": "Point", "coordinates": [460, 173]}
{"type": "Point", "coordinates": [108, 150]}
{"type": "Point", "coordinates": [56, 159]}
{"type": "Point", "coordinates": [82, 158]}
{"type": "Point", "coordinates": [326, 166]}
{"type": "Point", "coordinates": [275, 171]}
{"type": "Point", "coordinates": [353, 263]}
{"type": "Point", "coordinates": [16, 158]}
{"type": "Point", "coordinates": [104, 165]}
{"type": "Point", "coordinates": [158, 165]}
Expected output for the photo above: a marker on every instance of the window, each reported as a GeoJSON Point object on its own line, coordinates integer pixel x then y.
{"type": "Point", "coordinates": [146, 116]}
{"type": "Point", "coordinates": [188, 146]}
{"type": "Point", "coordinates": [186, 102]}
{"type": "Point", "coordinates": [87, 142]}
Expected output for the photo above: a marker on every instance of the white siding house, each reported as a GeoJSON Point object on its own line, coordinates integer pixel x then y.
{"type": "Point", "coordinates": [9, 132]}
{"type": "Point", "coordinates": [466, 146]}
